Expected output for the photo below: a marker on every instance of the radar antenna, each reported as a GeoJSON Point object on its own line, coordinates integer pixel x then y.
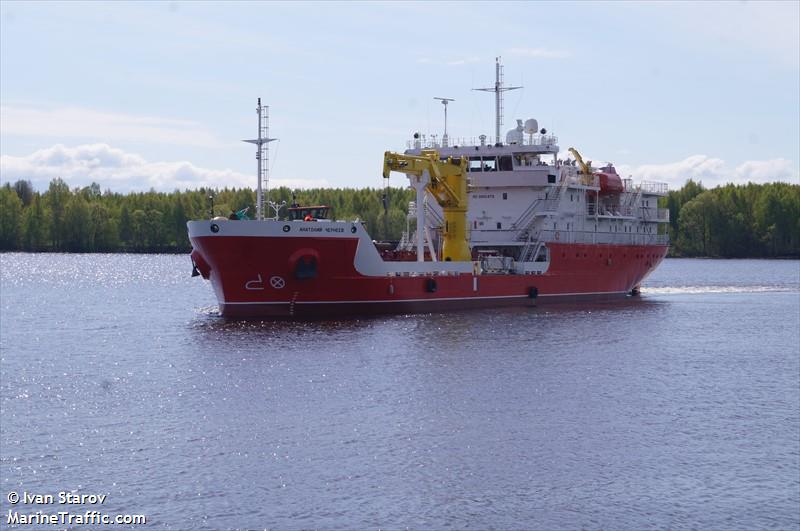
{"type": "Point", "coordinates": [262, 156]}
{"type": "Point", "coordinates": [445, 101]}
{"type": "Point", "coordinates": [498, 90]}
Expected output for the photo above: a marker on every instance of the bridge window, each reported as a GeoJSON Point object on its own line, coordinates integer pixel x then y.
{"type": "Point", "coordinates": [489, 164]}
{"type": "Point", "coordinates": [318, 212]}
{"type": "Point", "coordinates": [499, 225]}
{"type": "Point", "coordinates": [505, 195]}
{"type": "Point", "coordinates": [505, 163]}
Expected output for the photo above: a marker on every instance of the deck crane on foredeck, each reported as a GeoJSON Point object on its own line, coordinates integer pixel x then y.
{"type": "Point", "coordinates": [446, 181]}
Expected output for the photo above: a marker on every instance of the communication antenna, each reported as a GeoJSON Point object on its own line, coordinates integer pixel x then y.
{"type": "Point", "coordinates": [445, 101]}
{"type": "Point", "coordinates": [262, 156]}
{"type": "Point", "coordinates": [498, 90]}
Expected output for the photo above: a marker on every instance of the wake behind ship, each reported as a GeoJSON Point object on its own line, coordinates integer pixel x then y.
{"type": "Point", "coordinates": [495, 224]}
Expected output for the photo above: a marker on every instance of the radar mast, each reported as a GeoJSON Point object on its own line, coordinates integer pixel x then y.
{"type": "Point", "coordinates": [498, 90]}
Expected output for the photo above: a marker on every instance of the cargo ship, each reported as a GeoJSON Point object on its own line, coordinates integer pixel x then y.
{"type": "Point", "coordinates": [509, 222]}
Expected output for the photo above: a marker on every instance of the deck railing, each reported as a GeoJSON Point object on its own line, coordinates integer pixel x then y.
{"type": "Point", "coordinates": [652, 187]}
{"type": "Point", "coordinates": [647, 187]}
{"type": "Point", "coordinates": [613, 238]}
{"type": "Point", "coordinates": [609, 210]}
{"type": "Point", "coordinates": [435, 142]}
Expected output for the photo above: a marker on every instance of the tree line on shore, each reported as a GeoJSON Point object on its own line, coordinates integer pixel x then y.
{"type": "Point", "coordinates": [752, 220]}
{"type": "Point", "coordinates": [90, 220]}
{"type": "Point", "coordinates": [734, 221]}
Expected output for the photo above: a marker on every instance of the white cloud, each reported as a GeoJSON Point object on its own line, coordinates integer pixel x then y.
{"type": "Point", "coordinates": [77, 122]}
{"type": "Point", "coordinates": [713, 171]}
{"type": "Point", "coordinates": [760, 171]}
{"type": "Point", "coordinates": [119, 171]}
{"type": "Point", "coordinates": [452, 62]}
{"type": "Point", "coordinates": [464, 61]}
{"type": "Point", "coordinates": [540, 53]}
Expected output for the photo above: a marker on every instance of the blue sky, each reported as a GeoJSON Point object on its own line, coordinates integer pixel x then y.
{"type": "Point", "coordinates": [159, 94]}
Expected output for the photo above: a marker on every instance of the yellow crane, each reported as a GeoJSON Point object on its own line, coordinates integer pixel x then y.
{"type": "Point", "coordinates": [585, 169]}
{"type": "Point", "coordinates": [448, 185]}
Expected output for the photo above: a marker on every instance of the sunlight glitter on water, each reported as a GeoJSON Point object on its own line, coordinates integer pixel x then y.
{"type": "Point", "coordinates": [664, 411]}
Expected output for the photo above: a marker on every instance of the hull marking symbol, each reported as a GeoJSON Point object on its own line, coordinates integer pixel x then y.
{"type": "Point", "coordinates": [277, 282]}
{"type": "Point", "coordinates": [254, 285]}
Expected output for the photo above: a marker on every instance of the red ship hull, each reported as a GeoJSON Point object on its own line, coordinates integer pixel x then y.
{"type": "Point", "coordinates": [257, 276]}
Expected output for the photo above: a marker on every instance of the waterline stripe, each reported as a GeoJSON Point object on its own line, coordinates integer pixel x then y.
{"type": "Point", "coordinates": [376, 301]}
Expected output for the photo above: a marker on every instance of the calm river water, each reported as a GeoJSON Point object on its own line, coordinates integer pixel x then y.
{"type": "Point", "coordinates": [680, 409]}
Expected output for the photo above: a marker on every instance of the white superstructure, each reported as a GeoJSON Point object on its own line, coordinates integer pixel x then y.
{"type": "Point", "coordinates": [523, 194]}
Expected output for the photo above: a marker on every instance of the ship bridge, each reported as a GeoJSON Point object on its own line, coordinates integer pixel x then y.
{"type": "Point", "coordinates": [539, 143]}
{"type": "Point", "coordinates": [536, 152]}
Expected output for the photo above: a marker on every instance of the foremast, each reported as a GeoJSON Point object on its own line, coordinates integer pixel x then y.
{"type": "Point", "coordinates": [262, 157]}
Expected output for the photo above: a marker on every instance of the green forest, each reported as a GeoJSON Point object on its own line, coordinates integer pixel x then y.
{"type": "Point", "coordinates": [734, 221]}
{"type": "Point", "coordinates": [90, 220]}
{"type": "Point", "coordinates": [752, 220]}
